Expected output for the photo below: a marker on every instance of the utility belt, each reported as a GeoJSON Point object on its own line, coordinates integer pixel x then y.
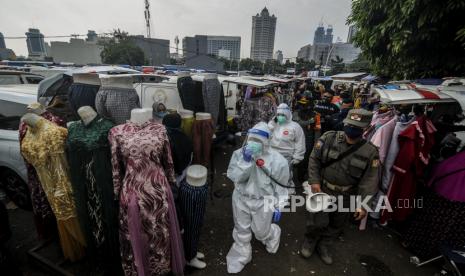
{"type": "Point", "coordinates": [336, 188]}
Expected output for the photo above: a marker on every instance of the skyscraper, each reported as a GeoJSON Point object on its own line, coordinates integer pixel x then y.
{"type": "Point", "coordinates": [278, 56]}
{"type": "Point", "coordinates": [2, 41]}
{"type": "Point", "coordinates": [319, 34]}
{"type": "Point", "coordinates": [351, 34]}
{"type": "Point", "coordinates": [329, 35]}
{"type": "Point", "coordinates": [35, 44]}
{"type": "Point", "coordinates": [263, 33]}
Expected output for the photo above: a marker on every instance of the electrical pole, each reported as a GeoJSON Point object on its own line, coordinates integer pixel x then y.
{"type": "Point", "coordinates": [147, 17]}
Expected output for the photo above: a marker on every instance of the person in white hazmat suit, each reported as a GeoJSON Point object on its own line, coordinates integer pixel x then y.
{"type": "Point", "coordinates": [255, 168]}
{"type": "Point", "coordinates": [287, 138]}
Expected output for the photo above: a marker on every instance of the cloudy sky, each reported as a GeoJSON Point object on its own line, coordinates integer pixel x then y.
{"type": "Point", "coordinates": [297, 19]}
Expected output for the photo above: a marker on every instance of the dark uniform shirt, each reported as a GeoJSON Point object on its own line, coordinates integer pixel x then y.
{"type": "Point", "coordinates": [359, 169]}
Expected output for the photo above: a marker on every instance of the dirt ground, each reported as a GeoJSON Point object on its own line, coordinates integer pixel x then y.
{"type": "Point", "coordinates": [373, 252]}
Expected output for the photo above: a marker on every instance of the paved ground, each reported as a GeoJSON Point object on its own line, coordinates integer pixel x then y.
{"type": "Point", "coordinates": [374, 252]}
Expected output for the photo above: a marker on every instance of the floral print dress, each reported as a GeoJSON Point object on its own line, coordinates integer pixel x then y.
{"type": "Point", "coordinates": [150, 242]}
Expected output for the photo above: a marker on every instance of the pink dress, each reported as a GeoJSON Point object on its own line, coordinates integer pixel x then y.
{"type": "Point", "coordinates": [150, 241]}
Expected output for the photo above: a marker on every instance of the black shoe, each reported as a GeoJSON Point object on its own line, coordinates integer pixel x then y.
{"type": "Point", "coordinates": [307, 249]}
{"type": "Point", "coordinates": [325, 255]}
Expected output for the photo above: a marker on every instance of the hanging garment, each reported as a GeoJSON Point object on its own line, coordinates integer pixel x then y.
{"type": "Point", "coordinates": [116, 104]}
{"type": "Point", "coordinates": [211, 90]}
{"type": "Point", "coordinates": [150, 241]}
{"type": "Point", "coordinates": [180, 144]}
{"type": "Point", "coordinates": [256, 110]}
{"type": "Point", "coordinates": [438, 221]}
{"type": "Point", "coordinates": [415, 144]}
{"type": "Point", "coordinates": [44, 147]}
{"type": "Point", "coordinates": [80, 94]}
{"type": "Point", "coordinates": [382, 137]}
{"type": "Point", "coordinates": [377, 121]}
{"type": "Point", "coordinates": [44, 219]}
{"type": "Point", "coordinates": [448, 179]}
{"type": "Point", "coordinates": [61, 108]}
{"type": "Point", "coordinates": [192, 201]}
{"type": "Point", "coordinates": [202, 132]}
{"type": "Point", "coordinates": [223, 113]}
{"type": "Point", "coordinates": [89, 156]}
{"type": "Point", "coordinates": [186, 89]}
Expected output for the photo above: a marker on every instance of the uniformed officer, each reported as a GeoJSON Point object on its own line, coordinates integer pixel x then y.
{"type": "Point", "coordinates": [342, 163]}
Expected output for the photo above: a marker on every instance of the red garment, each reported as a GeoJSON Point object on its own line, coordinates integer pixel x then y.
{"type": "Point", "coordinates": [415, 144]}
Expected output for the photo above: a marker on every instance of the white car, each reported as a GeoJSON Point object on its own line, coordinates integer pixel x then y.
{"type": "Point", "coordinates": [13, 176]}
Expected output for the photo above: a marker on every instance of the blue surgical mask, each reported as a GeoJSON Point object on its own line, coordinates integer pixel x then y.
{"type": "Point", "coordinates": [353, 132]}
{"type": "Point", "coordinates": [161, 114]}
{"type": "Point", "coordinates": [256, 147]}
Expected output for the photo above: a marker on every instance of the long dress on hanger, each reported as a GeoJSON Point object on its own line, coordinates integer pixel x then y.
{"type": "Point", "coordinates": [44, 147]}
{"type": "Point", "coordinates": [150, 240]}
{"type": "Point", "coordinates": [43, 214]}
{"type": "Point", "coordinates": [89, 156]}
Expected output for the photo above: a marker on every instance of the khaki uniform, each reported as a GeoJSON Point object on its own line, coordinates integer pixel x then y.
{"type": "Point", "coordinates": [356, 174]}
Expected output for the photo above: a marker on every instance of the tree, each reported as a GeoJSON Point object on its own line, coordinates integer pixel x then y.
{"type": "Point", "coordinates": [337, 65]}
{"type": "Point", "coordinates": [411, 38]}
{"type": "Point", "coordinates": [119, 49]}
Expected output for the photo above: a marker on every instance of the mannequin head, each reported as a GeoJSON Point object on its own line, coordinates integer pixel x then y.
{"type": "Point", "coordinates": [31, 119]}
{"type": "Point", "coordinates": [141, 115]}
{"type": "Point", "coordinates": [196, 175]}
{"type": "Point", "coordinates": [199, 116]}
{"type": "Point", "coordinates": [86, 78]}
{"type": "Point", "coordinates": [117, 81]}
{"type": "Point", "coordinates": [159, 110]}
{"type": "Point", "coordinates": [36, 108]}
{"type": "Point", "coordinates": [87, 114]}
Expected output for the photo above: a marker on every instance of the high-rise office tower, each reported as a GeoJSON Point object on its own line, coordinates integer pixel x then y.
{"type": "Point", "coordinates": [263, 34]}
{"type": "Point", "coordinates": [35, 44]}
{"type": "Point", "coordinates": [2, 41]}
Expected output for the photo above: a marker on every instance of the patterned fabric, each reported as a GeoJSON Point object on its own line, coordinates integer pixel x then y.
{"type": "Point", "coordinates": [202, 132]}
{"type": "Point", "coordinates": [192, 201]}
{"type": "Point", "coordinates": [211, 90]}
{"type": "Point", "coordinates": [438, 221]}
{"type": "Point", "coordinates": [43, 215]}
{"type": "Point", "coordinates": [256, 110]}
{"type": "Point", "coordinates": [116, 104]}
{"type": "Point", "coordinates": [81, 94]}
{"type": "Point", "coordinates": [44, 147]}
{"type": "Point", "coordinates": [142, 173]}
{"type": "Point", "coordinates": [91, 176]}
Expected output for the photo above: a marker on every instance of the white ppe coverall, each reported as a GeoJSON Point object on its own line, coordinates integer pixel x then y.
{"type": "Point", "coordinates": [252, 185]}
{"type": "Point", "coordinates": [288, 139]}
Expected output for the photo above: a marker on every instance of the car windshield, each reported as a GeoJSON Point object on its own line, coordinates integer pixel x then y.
{"type": "Point", "coordinates": [10, 79]}
{"type": "Point", "coordinates": [33, 79]}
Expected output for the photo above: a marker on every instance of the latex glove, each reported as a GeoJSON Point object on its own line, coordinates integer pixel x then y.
{"type": "Point", "coordinates": [276, 215]}
{"type": "Point", "coordinates": [247, 154]}
{"type": "Point", "coordinates": [295, 162]}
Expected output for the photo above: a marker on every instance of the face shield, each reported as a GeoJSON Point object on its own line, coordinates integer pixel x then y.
{"type": "Point", "coordinates": [255, 142]}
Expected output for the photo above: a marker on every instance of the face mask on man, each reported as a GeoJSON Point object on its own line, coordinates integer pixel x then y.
{"type": "Point", "coordinates": [281, 119]}
{"type": "Point", "coordinates": [353, 132]}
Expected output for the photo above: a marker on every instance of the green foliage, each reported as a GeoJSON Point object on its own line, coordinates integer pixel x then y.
{"type": "Point", "coordinates": [411, 38]}
{"type": "Point", "coordinates": [119, 49]}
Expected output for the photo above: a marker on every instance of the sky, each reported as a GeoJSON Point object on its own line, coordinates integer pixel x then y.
{"type": "Point", "coordinates": [296, 24]}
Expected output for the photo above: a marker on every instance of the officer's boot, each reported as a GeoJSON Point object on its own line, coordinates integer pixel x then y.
{"type": "Point", "coordinates": [307, 249]}
{"type": "Point", "coordinates": [325, 254]}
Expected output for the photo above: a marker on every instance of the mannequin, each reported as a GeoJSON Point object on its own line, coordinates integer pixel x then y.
{"type": "Point", "coordinates": [202, 116]}
{"type": "Point", "coordinates": [36, 108]}
{"type": "Point", "coordinates": [141, 115]}
{"type": "Point", "coordinates": [193, 195]}
{"type": "Point", "coordinates": [31, 119]}
{"type": "Point", "coordinates": [203, 131]}
{"type": "Point", "coordinates": [87, 114]}
{"type": "Point", "coordinates": [210, 76]}
{"type": "Point", "coordinates": [184, 74]}
{"type": "Point", "coordinates": [87, 78]}
{"type": "Point", "coordinates": [116, 98]}
{"type": "Point", "coordinates": [118, 81]}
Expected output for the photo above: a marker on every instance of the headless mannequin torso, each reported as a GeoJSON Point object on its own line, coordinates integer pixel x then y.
{"type": "Point", "coordinates": [121, 81]}
{"type": "Point", "coordinates": [141, 115]}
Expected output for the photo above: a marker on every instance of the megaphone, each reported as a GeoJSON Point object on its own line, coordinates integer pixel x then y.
{"type": "Point", "coordinates": [316, 202]}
